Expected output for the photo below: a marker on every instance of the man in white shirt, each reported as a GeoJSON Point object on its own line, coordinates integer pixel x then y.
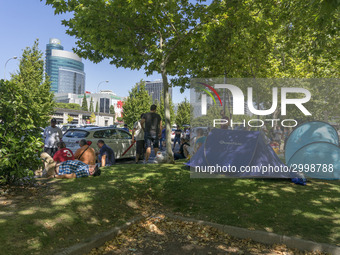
{"type": "Point", "coordinates": [52, 135]}
{"type": "Point", "coordinates": [138, 134]}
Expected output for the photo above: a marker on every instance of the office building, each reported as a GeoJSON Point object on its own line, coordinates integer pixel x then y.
{"type": "Point", "coordinates": [65, 69]}
{"type": "Point", "coordinates": [155, 90]}
{"type": "Point", "coordinates": [105, 99]}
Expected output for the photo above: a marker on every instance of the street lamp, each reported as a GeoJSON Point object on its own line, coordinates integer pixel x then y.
{"type": "Point", "coordinates": [101, 83]}
{"type": "Point", "coordinates": [99, 99]}
{"type": "Point", "coordinates": [15, 57]}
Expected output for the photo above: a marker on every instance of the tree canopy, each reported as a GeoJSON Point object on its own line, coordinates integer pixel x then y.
{"type": "Point", "coordinates": [138, 102]}
{"type": "Point", "coordinates": [154, 35]}
{"type": "Point", "coordinates": [183, 113]}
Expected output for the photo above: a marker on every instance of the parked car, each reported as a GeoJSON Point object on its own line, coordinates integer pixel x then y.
{"type": "Point", "coordinates": [119, 140]}
{"type": "Point", "coordinates": [64, 128]}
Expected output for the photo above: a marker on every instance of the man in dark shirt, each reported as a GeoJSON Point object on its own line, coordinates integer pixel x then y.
{"type": "Point", "coordinates": [180, 154]}
{"type": "Point", "coordinates": [178, 133]}
{"type": "Point", "coordinates": [106, 155]}
{"type": "Point", "coordinates": [152, 130]}
{"type": "Point", "coordinates": [126, 128]}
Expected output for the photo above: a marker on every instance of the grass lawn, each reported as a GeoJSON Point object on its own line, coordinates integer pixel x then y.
{"type": "Point", "coordinates": [60, 213]}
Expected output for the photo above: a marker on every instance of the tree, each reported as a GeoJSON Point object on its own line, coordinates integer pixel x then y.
{"type": "Point", "coordinates": [92, 118]}
{"type": "Point", "coordinates": [91, 105]}
{"type": "Point", "coordinates": [112, 109]}
{"type": "Point", "coordinates": [269, 39]}
{"type": "Point", "coordinates": [161, 111]}
{"type": "Point", "coordinates": [69, 119]}
{"type": "Point", "coordinates": [71, 106]}
{"type": "Point", "coordinates": [25, 105]}
{"type": "Point", "coordinates": [214, 112]}
{"type": "Point", "coordinates": [154, 35]}
{"type": "Point", "coordinates": [138, 102]}
{"type": "Point", "coordinates": [183, 113]}
{"type": "Point", "coordinates": [97, 107]}
{"type": "Point", "coordinates": [84, 106]}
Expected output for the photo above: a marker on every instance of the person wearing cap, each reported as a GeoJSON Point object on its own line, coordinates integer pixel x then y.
{"type": "Point", "coordinates": [52, 135]}
{"type": "Point", "coordinates": [126, 128]}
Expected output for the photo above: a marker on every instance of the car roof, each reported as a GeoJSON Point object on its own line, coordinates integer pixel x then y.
{"type": "Point", "coordinates": [94, 128]}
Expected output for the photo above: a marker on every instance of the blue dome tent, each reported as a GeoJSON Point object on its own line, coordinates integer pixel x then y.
{"type": "Point", "coordinates": [313, 150]}
{"type": "Point", "coordinates": [309, 132]}
{"type": "Point", "coordinates": [319, 160]}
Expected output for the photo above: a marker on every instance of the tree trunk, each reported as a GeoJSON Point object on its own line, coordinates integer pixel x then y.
{"type": "Point", "coordinates": [166, 95]}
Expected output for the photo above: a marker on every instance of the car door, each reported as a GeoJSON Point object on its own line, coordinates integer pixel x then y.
{"type": "Point", "coordinates": [125, 139]}
{"type": "Point", "coordinates": [109, 136]}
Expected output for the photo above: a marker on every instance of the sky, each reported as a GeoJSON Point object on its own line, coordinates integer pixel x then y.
{"type": "Point", "coordinates": [24, 21]}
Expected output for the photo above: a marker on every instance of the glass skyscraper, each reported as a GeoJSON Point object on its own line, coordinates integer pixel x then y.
{"type": "Point", "coordinates": [65, 69]}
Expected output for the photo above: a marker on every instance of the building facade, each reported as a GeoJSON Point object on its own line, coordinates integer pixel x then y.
{"type": "Point", "coordinates": [65, 69]}
{"type": "Point", "coordinates": [155, 90]}
{"type": "Point", "coordinates": [81, 117]}
{"type": "Point", "coordinates": [105, 99]}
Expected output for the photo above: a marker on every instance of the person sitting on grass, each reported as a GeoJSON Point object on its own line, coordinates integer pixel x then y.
{"type": "Point", "coordinates": [63, 153]}
{"type": "Point", "coordinates": [106, 155]}
{"type": "Point", "coordinates": [199, 140]}
{"type": "Point", "coordinates": [49, 165]}
{"type": "Point", "coordinates": [181, 154]}
{"type": "Point", "coordinates": [75, 169]}
{"type": "Point", "coordinates": [85, 153]}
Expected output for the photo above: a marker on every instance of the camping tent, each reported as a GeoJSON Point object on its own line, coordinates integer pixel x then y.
{"type": "Point", "coordinates": [237, 153]}
{"type": "Point", "coordinates": [317, 160]}
{"type": "Point", "coordinates": [309, 132]}
{"type": "Point", "coordinates": [313, 149]}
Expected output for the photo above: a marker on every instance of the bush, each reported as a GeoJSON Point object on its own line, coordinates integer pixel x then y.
{"type": "Point", "coordinates": [25, 105]}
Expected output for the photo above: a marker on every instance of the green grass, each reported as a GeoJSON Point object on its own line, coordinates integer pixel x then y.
{"type": "Point", "coordinates": [64, 212]}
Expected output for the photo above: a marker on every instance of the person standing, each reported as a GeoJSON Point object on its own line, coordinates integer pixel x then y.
{"type": "Point", "coordinates": [138, 135]}
{"type": "Point", "coordinates": [162, 141]}
{"type": "Point", "coordinates": [178, 133]}
{"type": "Point", "coordinates": [52, 135]}
{"type": "Point", "coordinates": [187, 134]}
{"type": "Point", "coordinates": [152, 131]}
{"type": "Point", "coordinates": [278, 136]}
{"type": "Point", "coordinates": [106, 155]}
{"type": "Point", "coordinates": [126, 128]}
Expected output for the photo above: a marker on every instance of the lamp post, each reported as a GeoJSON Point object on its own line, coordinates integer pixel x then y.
{"type": "Point", "coordinates": [99, 99]}
{"type": "Point", "coordinates": [15, 57]}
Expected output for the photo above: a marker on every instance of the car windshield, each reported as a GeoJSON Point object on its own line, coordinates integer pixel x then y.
{"type": "Point", "coordinates": [64, 128]}
{"type": "Point", "coordinates": [76, 134]}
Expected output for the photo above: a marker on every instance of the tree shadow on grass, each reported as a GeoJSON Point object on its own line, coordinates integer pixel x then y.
{"type": "Point", "coordinates": [61, 213]}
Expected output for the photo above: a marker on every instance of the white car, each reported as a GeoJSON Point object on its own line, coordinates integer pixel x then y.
{"type": "Point", "coordinates": [117, 139]}
{"type": "Point", "coordinates": [66, 127]}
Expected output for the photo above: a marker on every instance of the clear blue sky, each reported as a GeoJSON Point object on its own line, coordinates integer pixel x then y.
{"type": "Point", "coordinates": [23, 21]}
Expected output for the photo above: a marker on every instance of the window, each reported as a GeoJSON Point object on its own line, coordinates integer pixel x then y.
{"type": "Point", "coordinates": [124, 135]}
{"type": "Point", "coordinates": [107, 134]}
{"type": "Point", "coordinates": [99, 134]}
{"type": "Point", "coordinates": [76, 134]}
